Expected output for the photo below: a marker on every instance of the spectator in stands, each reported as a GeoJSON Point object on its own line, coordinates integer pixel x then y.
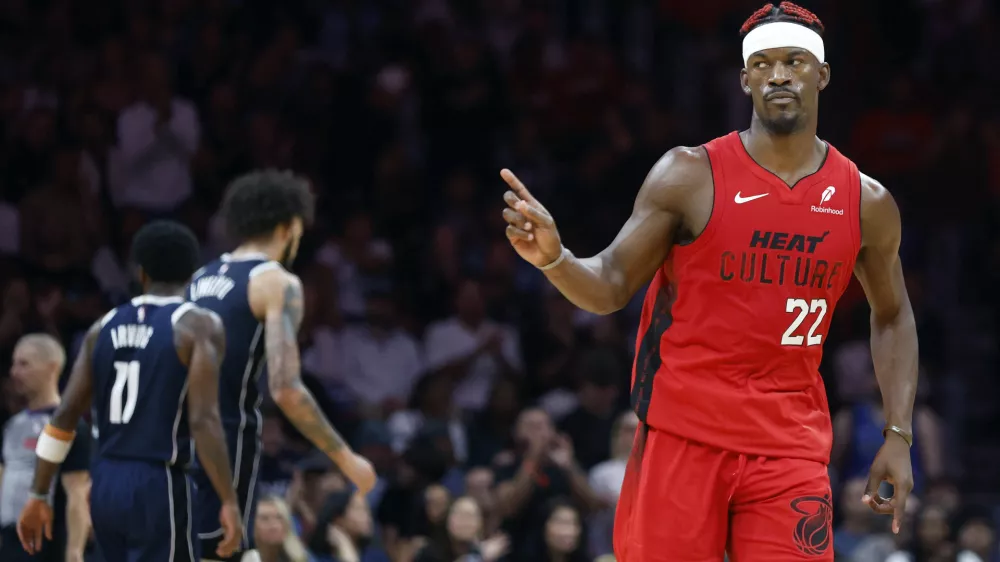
{"type": "Point", "coordinates": [430, 403]}
{"type": "Point", "coordinates": [61, 220]}
{"type": "Point", "coordinates": [606, 480]}
{"type": "Point", "coordinates": [277, 462]}
{"type": "Point", "coordinates": [313, 479]}
{"type": "Point", "coordinates": [479, 485]}
{"type": "Point", "coordinates": [943, 493]}
{"type": "Point", "coordinates": [381, 361]}
{"type": "Point", "coordinates": [321, 336]}
{"type": "Point", "coordinates": [857, 524]}
{"type": "Point", "coordinates": [489, 434]}
{"type": "Point", "coordinates": [274, 534]}
{"type": "Point", "coordinates": [343, 530]}
{"type": "Point", "coordinates": [976, 535]}
{"type": "Point", "coordinates": [32, 143]}
{"type": "Point", "coordinates": [931, 541]}
{"type": "Point", "coordinates": [590, 424]}
{"type": "Point", "coordinates": [356, 259]}
{"type": "Point", "coordinates": [440, 272]}
{"type": "Point", "coordinates": [560, 537]}
{"type": "Point", "coordinates": [544, 468]}
{"type": "Point", "coordinates": [157, 138]}
{"type": "Point", "coordinates": [17, 316]}
{"type": "Point", "coordinates": [434, 511]}
{"type": "Point", "coordinates": [461, 539]}
{"type": "Point", "coordinates": [552, 346]}
{"type": "Point", "coordinates": [472, 349]}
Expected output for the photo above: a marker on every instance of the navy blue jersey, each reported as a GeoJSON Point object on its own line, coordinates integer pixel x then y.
{"type": "Point", "coordinates": [140, 384]}
{"type": "Point", "coordinates": [221, 286]}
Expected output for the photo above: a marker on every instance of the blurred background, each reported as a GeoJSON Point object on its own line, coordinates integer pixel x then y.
{"type": "Point", "coordinates": [438, 352]}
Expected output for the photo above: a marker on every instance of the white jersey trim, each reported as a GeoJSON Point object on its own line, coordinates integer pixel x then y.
{"type": "Point", "coordinates": [156, 300]}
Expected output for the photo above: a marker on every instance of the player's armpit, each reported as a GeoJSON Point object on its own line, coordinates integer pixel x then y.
{"type": "Point", "coordinates": [279, 294]}
{"type": "Point", "coordinates": [200, 339]}
{"type": "Point", "coordinates": [606, 282]}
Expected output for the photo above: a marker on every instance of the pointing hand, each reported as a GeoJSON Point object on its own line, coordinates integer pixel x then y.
{"type": "Point", "coordinates": [530, 227]}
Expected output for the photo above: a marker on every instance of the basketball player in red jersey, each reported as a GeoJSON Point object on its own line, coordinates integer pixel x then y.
{"type": "Point", "coordinates": [749, 241]}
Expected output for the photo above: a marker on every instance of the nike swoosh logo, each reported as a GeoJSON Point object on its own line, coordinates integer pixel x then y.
{"type": "Point", "coordinates": [740, 200]}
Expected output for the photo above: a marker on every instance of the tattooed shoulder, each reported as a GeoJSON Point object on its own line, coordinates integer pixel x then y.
{"type": "Point", "coordinates": [293, 307]}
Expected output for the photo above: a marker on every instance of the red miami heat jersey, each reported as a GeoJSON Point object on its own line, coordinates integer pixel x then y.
{"type": "Point", "coordinates": [733, 324]}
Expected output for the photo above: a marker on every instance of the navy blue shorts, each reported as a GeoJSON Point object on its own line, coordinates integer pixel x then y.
{"type": "Point", "coordinates": [142, 512]}
{"type": "Point", "coordinates": [209, 506]}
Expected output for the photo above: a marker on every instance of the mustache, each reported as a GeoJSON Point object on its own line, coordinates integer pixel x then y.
{"type": "Point", "coordinates": [783, 92]}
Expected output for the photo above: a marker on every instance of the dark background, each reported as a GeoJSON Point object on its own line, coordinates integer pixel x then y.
{"type": "Point", "coordinates": [402, 112]}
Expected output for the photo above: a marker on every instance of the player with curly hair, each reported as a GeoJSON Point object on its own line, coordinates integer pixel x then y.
{"type": "Point", "coordinates": [260, 303]}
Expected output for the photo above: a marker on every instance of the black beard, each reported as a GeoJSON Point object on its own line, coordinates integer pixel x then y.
{"type": "Point", "coordinates": [783, 126]}
{"type": "Point", "coordinates": [286, 256]}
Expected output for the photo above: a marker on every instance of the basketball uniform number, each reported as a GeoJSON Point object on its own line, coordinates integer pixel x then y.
{"type": "Point", "coordinates": [122, 405]}
{"type": "Point", "coordinates": [804, 308]}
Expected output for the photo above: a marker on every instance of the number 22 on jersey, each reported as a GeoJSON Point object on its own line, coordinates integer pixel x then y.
{"type": "Point", "coordinates": [803, 308]}
{"type": "Point", "coordinates": [123, 406]}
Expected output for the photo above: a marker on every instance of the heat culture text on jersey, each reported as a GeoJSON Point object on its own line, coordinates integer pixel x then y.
{"type": "Point", "coordinates": [782, 258]}
{"type": "Point", "coordinates": [733, 324]}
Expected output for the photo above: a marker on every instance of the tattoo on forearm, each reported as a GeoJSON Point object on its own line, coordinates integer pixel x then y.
{"type": "Point", "coordinates": [284, 372]}
{"type": "Point", "coordinates": [307, 417]}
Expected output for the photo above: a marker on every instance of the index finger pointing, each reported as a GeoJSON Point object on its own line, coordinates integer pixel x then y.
{"type": "Point", "coordinates": [515, 184]}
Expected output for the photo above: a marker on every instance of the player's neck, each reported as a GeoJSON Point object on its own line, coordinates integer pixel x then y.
{"type": "Point", "coordinates": [43, 400]}
{"type": "Point", "coordinates": [250, 248]}
{"type": "Point", "coordinates": [779, 153]}
{"type": "Point", "coordinates": [164, 290]}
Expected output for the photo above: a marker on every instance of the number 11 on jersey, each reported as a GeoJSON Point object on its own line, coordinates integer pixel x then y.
{"type": "Point", "coordinates": [804, 308]}
{"type": "Point", "coordinates": [126, 376]}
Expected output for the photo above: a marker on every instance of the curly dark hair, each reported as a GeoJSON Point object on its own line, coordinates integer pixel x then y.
{"type": "Point", "coordinates": [257, 203]}
{"type": "Point", "coordinates": [167, 251]}
{"type": "Point", "coordinates": [785, 11]}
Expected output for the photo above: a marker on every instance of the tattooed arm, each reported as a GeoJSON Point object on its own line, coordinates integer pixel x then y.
{"type": "Point", "coordinates": [276, 297]}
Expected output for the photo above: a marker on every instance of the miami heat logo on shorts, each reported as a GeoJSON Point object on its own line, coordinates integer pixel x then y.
{"type": "Point", "coordinates": [813, 534]}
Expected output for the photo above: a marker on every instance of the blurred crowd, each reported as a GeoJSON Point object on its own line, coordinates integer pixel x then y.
{"type": "Point", "coordinates": [495, 412]}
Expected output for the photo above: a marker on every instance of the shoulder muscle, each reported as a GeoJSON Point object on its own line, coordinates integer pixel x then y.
{"type": "Point", "coordinates": [267, 289]}
{"type": "Point", "coordinates": [675, 178]}
{"type": "Point", "coordinates": [880, 220]}
{"type": "Point", "coordinates": [194, 324]}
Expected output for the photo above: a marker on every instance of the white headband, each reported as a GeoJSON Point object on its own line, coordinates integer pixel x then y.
{"type": "Point", "coordinates": [780, 34]}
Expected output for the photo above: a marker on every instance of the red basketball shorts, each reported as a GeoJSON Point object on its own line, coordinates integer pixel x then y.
{"type": "Point", "coordinates": [685, 502]}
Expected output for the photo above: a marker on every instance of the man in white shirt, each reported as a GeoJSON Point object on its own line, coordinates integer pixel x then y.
{"type": "Point", "coordinates": [157, 137]}
{"type": "Point", "coordinates": [473, 349]}
{"type": "Point", "coordinates": [381, 361]}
